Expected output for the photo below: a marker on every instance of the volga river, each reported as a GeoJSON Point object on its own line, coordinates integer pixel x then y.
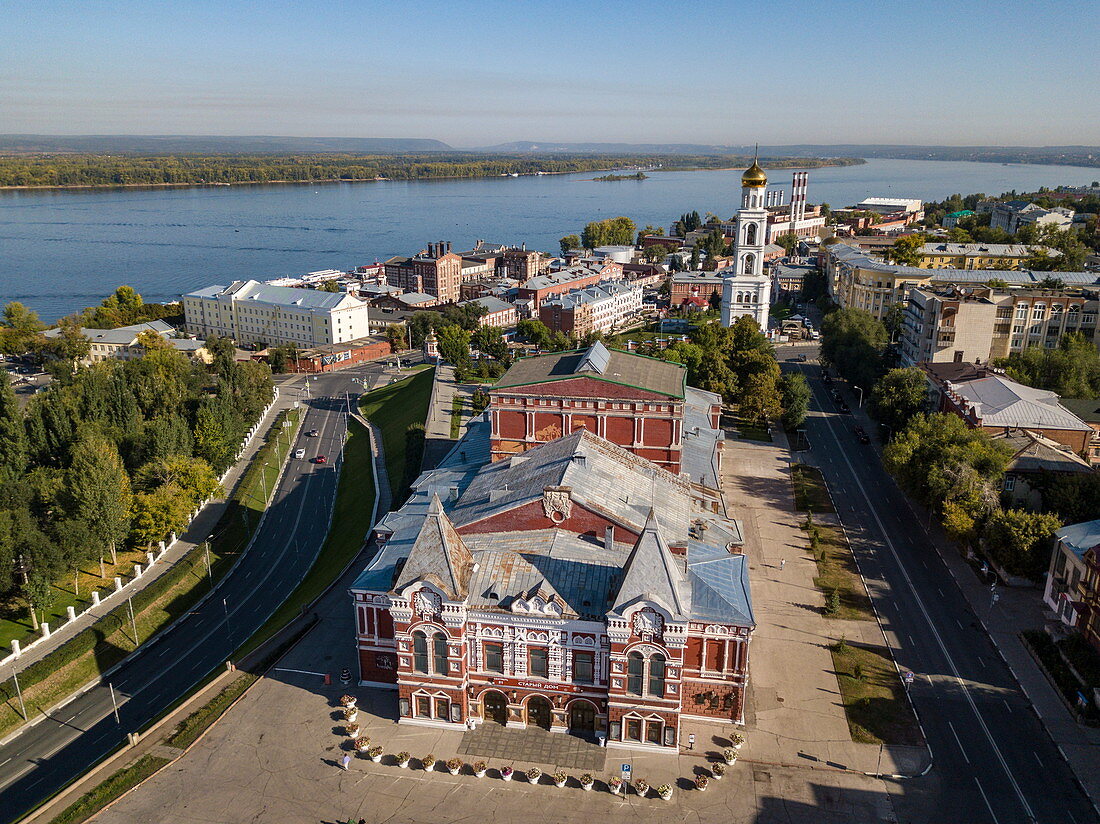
{"type": "Point", "coordinates": [62, 250]}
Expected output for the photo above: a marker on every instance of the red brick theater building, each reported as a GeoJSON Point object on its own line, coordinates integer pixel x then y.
{"type": "Point", "coordinates": [574, 586]}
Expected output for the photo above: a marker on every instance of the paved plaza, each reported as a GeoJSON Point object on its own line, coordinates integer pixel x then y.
{"type": "Point", "coordinates": [275, 757]}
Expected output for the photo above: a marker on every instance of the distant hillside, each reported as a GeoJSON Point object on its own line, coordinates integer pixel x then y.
{"type": "Point", "coordinates": [212, 144]}
{"type": "Point", "coordinates": [528, 146]}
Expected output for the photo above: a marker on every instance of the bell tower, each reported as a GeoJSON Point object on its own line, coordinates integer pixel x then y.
{"type": "Point", "coordinates": [752, 222]}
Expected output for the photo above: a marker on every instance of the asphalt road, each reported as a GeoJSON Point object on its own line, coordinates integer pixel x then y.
{"type": "Point", "coordinates": [55, 751]}
{"type": "Point", "coordinates": [993, 761]}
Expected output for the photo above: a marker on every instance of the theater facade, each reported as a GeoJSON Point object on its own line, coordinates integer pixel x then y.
{"type": "Point", "coordinates": [574, 585]}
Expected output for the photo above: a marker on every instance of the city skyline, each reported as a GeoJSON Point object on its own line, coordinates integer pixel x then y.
{"type": "Point", "coordinates": [475, 74]}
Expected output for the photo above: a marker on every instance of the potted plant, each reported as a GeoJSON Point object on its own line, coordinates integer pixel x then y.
{"type": "Point", "coordinates": [730, 755]}
{"type": "Point", "coordinates": [362, 744]}
{"type": "Point", "coordinates": [534, 774]}
{"type": "Point", "coordinates": [738, 740]}
{"type": "Point", "coordinates": [587, 781]}
{"type": "Point", "coordinates": [718, 770]}
{"type": "Point", "coordinates": [375, 753]}
{"type": "Point", "coordinates": [428, 762]}
{"type": "Point", "coordinates": [615, 785]}
{"type": "Point", "coordinates": [479, 768]}
{"type": "Point", "coordinates": [559, 778]}
{"type": "Point", "coordinates": [347, 700]}
{"type": "Point", "coordinates": [665, 791]}
{"type": "Point", "coordinates": [641, 787]}
{"type": "Point", "coordinates": [701, 781]}
{"type": "Point", "coordinates": [506, 773]}
{"type": "Point", "coordinates": [350, 713]}
{"type": "Point", "coordinates": [454, 766]}
{"type": "Point", "coordinates": [403, 759]}
{"type": "Point", "coordinates": [352, 730]}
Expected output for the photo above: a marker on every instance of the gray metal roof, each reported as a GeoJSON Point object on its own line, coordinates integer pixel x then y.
{"type": "Point", "coordinates": [1080, 538]}
{"type": "Point", "coordinates": [438, 555]}
{"type": "Point", "coordinates": [651, 374]}
{"type": "Point", "coordinates": [1033, 453]}
{"type": "Point", "coordinates": [1003, 402]}
{"type": "Point", "coordinates": [253, 290]}
{"type": "Point", "coordinates": [699, 459]}
{"type": "Point", "coordinates": [719, 586]}
{"type": "Point", "coordinates": [490, 303]}
{"type": "Point", "coordinates": [653, 574]}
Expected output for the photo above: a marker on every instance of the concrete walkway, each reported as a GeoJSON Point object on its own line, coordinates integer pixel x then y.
{"type": "Point", "coordinates": [437, 427]}
{"type": "Point", "coordinates": [197, 532]}
{"type": "Point", "coordinates": [794, 716]}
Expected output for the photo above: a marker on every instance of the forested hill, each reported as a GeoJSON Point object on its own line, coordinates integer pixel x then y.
{"type": "Point", "coordinates": [210, 144]}
{"type": "Point", "coordinates": [64, 170]}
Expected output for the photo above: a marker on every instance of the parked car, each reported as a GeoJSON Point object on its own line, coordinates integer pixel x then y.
{"type": "Point", "coordinates": [802, 358]}
{"type": "Point", "coordinates": [861, 436]}
{"type": "Point", "coordinates": [844, 410]}
{"type": "Point", "coordinates": [313, 433]}
{"type": "Point", "coordinates": [299, 453]}
{"type": "Point", "coordinates": [320, 459]}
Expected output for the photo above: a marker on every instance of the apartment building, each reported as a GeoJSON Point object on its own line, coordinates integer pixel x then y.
{"type": "Point", "coordinates": [1073, 585]}
{"type": "Point", "coordinates": [435, 271]}
{"type": "Point", "coordinates": [533, 291]}
{"type": "Point", "coordinates": [253, 313]}
{"type": "Point", "coordinates": [942, 255]}
{"type": "Point", "coordinates": [601, 307]}
{"type": "Point", "coordinates": [1010, 215]}
{"type": "Point", "coordinates": [499, 313]}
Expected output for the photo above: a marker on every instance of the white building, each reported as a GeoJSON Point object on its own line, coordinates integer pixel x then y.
{"type": "Point", "coordinates": [745, 288]}
{"type": "Point", "coordinates": [251, 312]}
{"type": "Point", "coordinates": [889, 205]}
{"type": "Point", "coordinates": [123, 344]}
{"type": "Point", "coordinates": [1012, 214]}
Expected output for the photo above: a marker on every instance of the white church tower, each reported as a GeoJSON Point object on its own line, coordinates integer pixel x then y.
{"type": "Point", "coordinates": [745, 288]}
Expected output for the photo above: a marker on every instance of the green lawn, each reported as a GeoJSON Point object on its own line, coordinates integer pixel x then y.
{"type": "Point", "coordinates": [89, 653]}
{"type": "Point", "coordinates": [874, 698]}
{"type": "Point", "coordinates": [197, 722]}
{"type": "Point", "coordinates": [392, 409]}
{"type": "Point", "coordinates": [809, 489]}
{"type": "Point", "coordinates": [350, 527]}
{"type": "Point", "coordinates": [836, 571]}
{"type": "Point", "coordinates": [456, 417]}
{"type": "Point", "coordinates": [99, 797]}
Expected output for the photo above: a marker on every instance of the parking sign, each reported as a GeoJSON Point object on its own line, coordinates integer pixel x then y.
{"type": "Point", "coordinates": [626, 772]}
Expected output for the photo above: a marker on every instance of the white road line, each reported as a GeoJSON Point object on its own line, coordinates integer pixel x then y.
{"type": "Point", "coordinates": [960, 623]}
{"type": "Point", "coordinates": [957, 741]}
{"type": "Point", "coordinates": [987, 804]}
{"type": "Point", "coordinates": [5, 761]}
{"type": "Point", "coordinates": [940, 591]}
{"type": "Point", "coordinates": [889, 544]}
{"type": "Point", "coordinates": [1037, 758]}
{"type": "Point", "coordinates": [981, 661]}
{"type": "Point", "coordinates": [1007, 707]}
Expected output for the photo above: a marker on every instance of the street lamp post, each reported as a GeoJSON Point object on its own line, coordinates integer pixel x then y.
{"type": "Point", "coordinates": [860, 391]}
{"type": "Point", "coordinates": [18, 692]}
{"type": "Point", "coordinates": [228, 625]}
{"type": "Point", "coordinates": [133, 623]}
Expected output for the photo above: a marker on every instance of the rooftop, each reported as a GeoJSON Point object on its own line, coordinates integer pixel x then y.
{"type": "Point", "coordinates": [490, 303]}
{"type": "Point", "coordinates": [1080, 537]}
{"type": "Point", "coordinates": [1087, 409]}
{"type": "Point", "coordinates": [1033, 452]}
{"type": "Point", "coordinates": [998, 401]}
{"type": "Point", "coordinates": [650, 374]}
{"type": "Point", "coordinates": [253, 290]}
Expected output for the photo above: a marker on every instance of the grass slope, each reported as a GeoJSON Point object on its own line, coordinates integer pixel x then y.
{"type": "Point", "coordinates": [392, 409]}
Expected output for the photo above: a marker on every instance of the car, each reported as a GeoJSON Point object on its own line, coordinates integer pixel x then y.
{"type": "Point", "coordinates": [313, 433]}
{"type": "Point", "coordinates": [802, 358]}
{"type": "Point", "coordinates": [320, 459]}
{"type": "Point", "coordinates": [861, 436]}
{"type": "Point", "coordinates": [844, 410]}
{"type": "Point", "coordinates": [299, 453]}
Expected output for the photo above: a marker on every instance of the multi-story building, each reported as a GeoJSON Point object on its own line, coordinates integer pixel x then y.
{"type": "Point", "coordinates": [942, 255]}
{"type": "Point", "coordinates": [1073, 585]}
{"type": "Point", "coordinates": [435, 271]}
{"type": "Point", "coordinates": [951, 219]}
{"type": "Point", "coordinates": [913, 208]}
{"type": "Point", "coordinates": [521, 263]}
{"type": "Point", "coordinates": [124, 343]}
{"type": "Point", "coordinates": [1012, 214]}
{"type": "Point", "coordinates": [498, 313]}
{"type": "Point", "coordinates": [533, 291]}
{"type": "Point", "coordinates": [253, 313]}
{"type": "Point", "coordinates": [1088, 410]}
{"type": "Point", "coordinates": [642, 404]}
{"type": "Point", "coordinates": [788, 278]}
{"type": "Point", "coordinates": [601, 307]}
{"type": "Point", "coordinates": [573, 586]}
{"type": "Point", "coordinates": [691, 285]}
{"type": "Point", "coordinates": [798, 217]}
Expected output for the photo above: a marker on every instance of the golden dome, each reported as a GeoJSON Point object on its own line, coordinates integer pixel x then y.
{"type": "Point", "coordinates": [754, 176]}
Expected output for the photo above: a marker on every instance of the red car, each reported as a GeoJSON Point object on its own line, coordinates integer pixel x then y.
{"type": "Point", "coordinates": [320, 459]}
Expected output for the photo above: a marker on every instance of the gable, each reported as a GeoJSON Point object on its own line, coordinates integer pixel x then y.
{"type": "Point", "coordinates": [584, 387]}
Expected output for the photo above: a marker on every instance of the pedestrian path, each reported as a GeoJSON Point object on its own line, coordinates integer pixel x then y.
{"type": "Point", "coordinates": [795, 717]}
{"type": "Point", "coordinates": [197, 531]}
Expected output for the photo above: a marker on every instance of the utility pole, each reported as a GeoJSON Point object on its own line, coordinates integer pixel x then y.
{"type": "Point", "coordinates": [206, 552]}
{"type": "Point", "coordinates": [18, 692]}
{"type": "Point", "coordinates": [228, 626]}
{"type": "Point", "coordinates": [114, 704]}
{"type": "Point", "coordinates": [133, 623]}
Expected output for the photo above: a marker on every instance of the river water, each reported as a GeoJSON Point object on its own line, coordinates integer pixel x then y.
{"type": "Point", "coordinates": [63, 250]}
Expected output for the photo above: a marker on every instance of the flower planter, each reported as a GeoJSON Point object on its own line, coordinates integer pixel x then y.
{"type": "Point", "coordinates": [666, 796]}
{"type": "Point", "coordinates": [665, 791]}
{"type": "Point", "coordinates": [615, 789]}
{"type": "Point", "coordinates": [403, 764]}
{"type": "Point", "coordinates": [559, 783]}
{"type": "Point", "coordinates": [376, 758]}
{"type": "Point", "coordinates": [351, 717]}
{"type": "Point", "coordinates": [641, 788]}
{"type": "Point", "coordinates": [506, 774]}
{"type": "Point", "coordinates": [586, 787]}
{"type": "Point", "coordinates": [479, 773]}
{"type": "Point", "coordinates": [454, 770]}
{"type": "Point", "coordinates": [403, 760]}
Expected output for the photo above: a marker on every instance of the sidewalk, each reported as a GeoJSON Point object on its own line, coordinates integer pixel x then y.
{"type": "Point", "coordinates": [197, 532]}
{"type": "Point", "coordinates": [794, 716]}
{"type": "Point", "coordinates": [1016, 609]}
{"type": "Point", "coordinates": [437, 427]}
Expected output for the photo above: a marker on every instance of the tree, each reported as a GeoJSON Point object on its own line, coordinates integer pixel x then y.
{"type": "Point", "coordinates": [19, 330]}
{"type": "Point", "coordinates": [853, 341]}
{"type": "Point", "coordinates": [614, 231]}
{"type": "Point", "coordinates": [395, 334]}
{"type": "Point", "coordinates": [13, 438]}
{"type": "Point", "coordinates": [157, 513]}
{"type": "Point", "coordinates": [654, 231]}
{"type": "Point", "coordinates": [150, 341]}
{"type": "Point", "coordinates": [535, 332]}
{"type": "Point", "coordinates": [560, 342]}
{"type": "Point", "coordinates": [693, 266]}
{"type": "Point", "coordinates": [568, 243]}
{"type": "Point", "coordinates": [192, 476]}
{"type": "Point", "coordinates": [906, 251]}
{"type": "Point", "coordinates": [655, 253]}
{"type": "Point", "coordinates": [40, 596]}
{"type": "Point", "coordinates": [1020, 541]}
{"type": "Point", "coordinates": [1072, 369]}
{"type": "Point", "coordinates": [789, 241]}
{"type": "Point", "coordinates": [97, 490]}
{"type": "Point", "coordinates": [795, 399]}
{"type": "Point", "coordinates": [329, 286]}
{"type": "Point", "coordinates": [454, 345]}
{"type": "Point", "coordinates": [214, 436]}
{"type": "Point", "coordinates": [279, 358]}
{"type": "Point", "coordinates": [897, 396]}
{"type": "Point", "coordinates": [489, 341]}
{"type": "Point", "coordinates": [69, 347]}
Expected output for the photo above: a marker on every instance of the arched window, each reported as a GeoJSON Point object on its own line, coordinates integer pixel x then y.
{"type": "Point", "coordinates": [749, 261]}
{"type": "Point", "coordinates": [420, 652]}
{"type": "Point", "coordinates": [657, 676]}
{"type": "Point", "coordinates": [635, 673]}
{"type": "Point", "coordinates": [439, 653]}
{"type": "Point", "coordinates": [750, 235]}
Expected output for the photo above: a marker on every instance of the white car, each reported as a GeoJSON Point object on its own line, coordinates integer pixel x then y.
{"type": "Point", "coordinates": [300, 453]}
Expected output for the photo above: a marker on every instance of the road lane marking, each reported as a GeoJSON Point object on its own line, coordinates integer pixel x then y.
{"type": "Point", "coordinates": [957, 741]}
{"type": "Point", "coordinates": [889, 545]}
{"type": "Point", "coordinates": [987, 804]}
{"type": "Point", "coordinates": [1007, 707]}
{"type": "Point", "coordinates": [1037, 758]}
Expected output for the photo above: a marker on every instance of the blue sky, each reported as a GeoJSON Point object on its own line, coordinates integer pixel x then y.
{"type": "Point", "coordinates": [478, 73]}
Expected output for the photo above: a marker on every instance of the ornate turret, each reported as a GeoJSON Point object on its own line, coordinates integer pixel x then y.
{"type": "Point", "coordinates": [754, 176]}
